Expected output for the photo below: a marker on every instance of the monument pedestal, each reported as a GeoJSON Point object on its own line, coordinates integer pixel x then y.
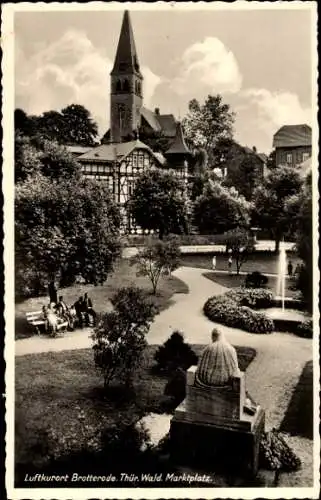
{"type": "Point", "coordinates": [210, 427]}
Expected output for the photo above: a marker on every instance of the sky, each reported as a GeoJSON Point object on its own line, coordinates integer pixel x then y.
{"type": "Point", "coordinates": [260, 61]}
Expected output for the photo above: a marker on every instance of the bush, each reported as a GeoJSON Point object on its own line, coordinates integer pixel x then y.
{"type": "Point", "coordinates": [256, 280]}
{"type": "Point", "coordinates": [256, 298]}
{"type": "Point", "coordinates": [305, 329]}
{"type": "Point", "coordinates": [176, 387]}
{"type": "Point", "coordinates": [232, 309]}
{"type": "Point", "coordinates": [175, 354]}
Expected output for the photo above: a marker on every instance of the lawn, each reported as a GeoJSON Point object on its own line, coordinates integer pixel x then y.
{"type": "Point", "coordinates": [233, 281]}
{"type": "Point", "coordinates": [124, 275]}
{"type": "Point", "coordinates": [52, 388]}
{"type": "Point", "coordinates": [298, 419]}
{"type": "Point", "coordinates": [264, 262]}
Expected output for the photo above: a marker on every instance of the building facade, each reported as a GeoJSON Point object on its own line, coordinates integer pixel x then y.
{"type": "Point", "coordinates": [293, 145]}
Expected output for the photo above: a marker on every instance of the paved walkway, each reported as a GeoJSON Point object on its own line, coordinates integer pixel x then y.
{"type": "Point", "coordinates": [270, 378]}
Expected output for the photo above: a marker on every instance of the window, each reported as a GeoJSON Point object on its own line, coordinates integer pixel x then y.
{"type": "Point", "coordinates": [126, 85]}
{"type": "Point", "coordinates": [289, 157]}
{"type": "Point", "coordinates": [305, 156]}
{"type": "Point", "coordinates": [118, 85]}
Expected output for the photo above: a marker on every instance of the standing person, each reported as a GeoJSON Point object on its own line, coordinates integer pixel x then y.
{"type": "Point", "coordinates": [290, 268]}
{"type": "Point", "coordinates": [52, 320]}
{"type": "Point", "coordinates": [229, 263]}
{"type": "Point", "coordinates": [52, 290]}
{"type": "Point", "coordinates": [88, 306]}
{"type": "Point", "coordinates": [214, 263]}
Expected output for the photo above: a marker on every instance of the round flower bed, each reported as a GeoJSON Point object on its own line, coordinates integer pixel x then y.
{"type": "Point", "coordinates": [235, 309]}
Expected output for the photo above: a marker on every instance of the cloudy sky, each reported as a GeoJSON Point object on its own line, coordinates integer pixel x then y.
{"type": "Point", "coordinates": [259, 60]}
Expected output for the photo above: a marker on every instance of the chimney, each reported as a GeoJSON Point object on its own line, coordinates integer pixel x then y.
{"type": "Point", "coordinates": [157, 111]}
{"type": "Point", "coordinates": [254, 149]}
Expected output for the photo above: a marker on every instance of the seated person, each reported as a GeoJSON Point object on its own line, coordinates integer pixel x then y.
{"type": "Point", "coordinates": [88, 306]}
{"type": "Point", "coordinates": [218, 365]}
{"type": "Point", "coordinates": [63, 311]}
{"type": "Point", "coordinates": [80, 310]}
{"type": "Point", "coordinates": [51, 319]}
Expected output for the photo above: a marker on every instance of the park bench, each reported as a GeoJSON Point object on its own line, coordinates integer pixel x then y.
{"type": "Point", "coordinates": [35, 319]}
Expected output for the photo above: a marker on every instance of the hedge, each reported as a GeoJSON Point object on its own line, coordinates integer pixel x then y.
{"type": "Point", "coordinates": [234, 308]}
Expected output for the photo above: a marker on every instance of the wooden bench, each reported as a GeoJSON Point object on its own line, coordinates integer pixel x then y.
{"type": "Point", "coordinates": [36, 320]}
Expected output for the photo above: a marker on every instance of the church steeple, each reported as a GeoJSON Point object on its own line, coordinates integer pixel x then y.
{"type": "Point", "coordinates": [126, 86]}
{"type": "Point", "coordinates": [126, 59]}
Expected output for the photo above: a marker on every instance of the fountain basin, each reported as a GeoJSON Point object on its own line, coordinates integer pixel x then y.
{"type": "Point", "coordinates": [285, 320]}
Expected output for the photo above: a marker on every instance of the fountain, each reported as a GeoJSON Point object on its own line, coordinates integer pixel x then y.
{"type": "Point", "coordinates": [286, 317]}
{"type": "Point", "coordinates": [282, 269]}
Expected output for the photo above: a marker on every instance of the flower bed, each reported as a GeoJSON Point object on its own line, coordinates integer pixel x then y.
{"type": "Point", "coordinates": [234, 309]}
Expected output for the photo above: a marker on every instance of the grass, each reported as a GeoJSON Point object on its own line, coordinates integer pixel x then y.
{"type": "Point", "coordinates": [124, 275]}
{"type": "Point", "coordinates": [234, 281]}
{"type": "Point", "coordinates": [52, 387]}
{"type": "Point", "coordinates": [298, 419]}
{"type": "Point", "coordinates": [265, 263]}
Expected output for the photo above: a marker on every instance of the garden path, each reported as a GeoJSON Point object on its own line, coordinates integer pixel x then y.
{"type": "Point", "coordinates": [270, 378]}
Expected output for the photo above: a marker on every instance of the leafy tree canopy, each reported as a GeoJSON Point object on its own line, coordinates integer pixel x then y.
{"type": "Point", "coordinates": [34, 155]}
{"type": "Point", "coordinates": [157, 203]}
{"type": "Point", "coordinates": [219, 209]}
{"type": "Point", "coordinates": [270, 201]}
{"type": "Point", "coordinates": [206, 124]}
{"type": "Point", "coordinates": [63, 230]}
{"type": "Point", "coordinates": [72, 125]}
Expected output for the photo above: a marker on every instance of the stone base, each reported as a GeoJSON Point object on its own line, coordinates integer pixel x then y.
{"type": "Point", "coordinates": [229, 445]}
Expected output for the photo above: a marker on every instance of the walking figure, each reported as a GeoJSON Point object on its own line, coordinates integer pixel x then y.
{"type": "Point", "coordinates": [214, 263]}
{"type": "Point", "coordinates": [290, 268]}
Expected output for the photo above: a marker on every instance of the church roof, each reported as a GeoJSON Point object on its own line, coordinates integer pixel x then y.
{"type": "Point", "coordinates": [178, 147]}
{"type": "Point", "coordinates": [126, 60]}
{"type": "Point", "coordinates": [110, 152]}
{"type": "Point", "coordinates": [168, 124]}
{"type": "Point", "coordinates": [151, 119]}
{"type": "Point", "coordinates": [293, 136]}
{"type": "Point", "coordinates": [160, 123]}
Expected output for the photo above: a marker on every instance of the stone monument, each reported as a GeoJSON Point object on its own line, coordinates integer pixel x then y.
{"type": "Point", "coordinates": [218, 422]}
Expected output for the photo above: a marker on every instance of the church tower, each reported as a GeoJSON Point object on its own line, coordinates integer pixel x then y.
{"type": "Point", "coordinates": [126, 87]}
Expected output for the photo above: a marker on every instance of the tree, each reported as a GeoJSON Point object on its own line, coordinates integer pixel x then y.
{"type": "Point", "coordinates": [36, 155]}
{"type": "Point", "coordinates": [119, 338]}
{"type": "Point", "coordinates": [80, 128]}
{"type": "Point", "coordinates": [270, 201]}
{"type": "Point", "coordinates": [219, 209]}
{"type": "Point", "coordinates": [206, 124]}
{"type": "Point", "coordinates": [155, 140]}
{"type": "Point", "coordinates": [243, 170]}
{"type": "Point", "coordinates": [73, 125]}
{"type": "Point", "coordinates": [156, 258]}
{"type": "Point", "coordinates": [240, 245]}
{"type": "Point", "coordinates": [58, 163]}
{"type": "Point", "coordinates": [157, 203]}
{"type": "Point", "coordinates": [24, 124]}
{"type": "Point", "coordinates": [27, 158]}
{"type": "Point", "coordinates": [299, 210]}
{"type": "Point", "coordinates": [62, 230]}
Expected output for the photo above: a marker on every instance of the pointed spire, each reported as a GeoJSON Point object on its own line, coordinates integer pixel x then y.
{"type": "Point", "coordinates": [179, 145]}
{"type": "Point", "coordinates": [126, 60]}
